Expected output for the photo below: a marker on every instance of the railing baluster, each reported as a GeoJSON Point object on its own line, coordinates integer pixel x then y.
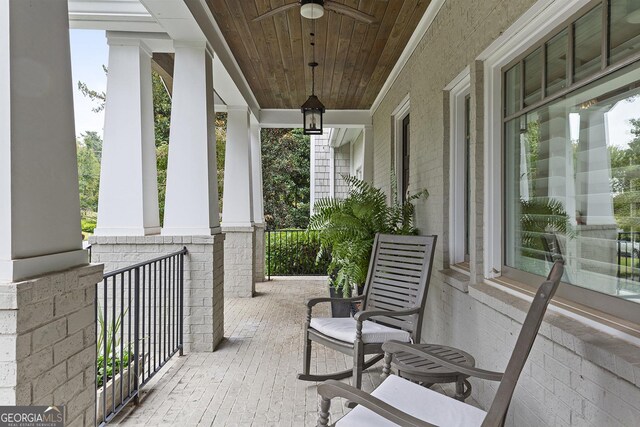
{"type": "Point", "coordinates": [129, 337]}
{"type": "Point", "coordinates": [136, 338]}
{"type": "Point", "coordinates": [105, 337]}
{"type": "Point", "coordinates": [113, 341]}
{"type": "Point", "coordinates": [142, 281]}
{"type": "Point", "coordinates": [181, 293]}
{"type": "Point", "coordinates": [121, 322]}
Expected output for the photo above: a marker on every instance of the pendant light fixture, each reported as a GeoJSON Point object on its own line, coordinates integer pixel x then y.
{"type": "Point", "coordinates": [312, 109]}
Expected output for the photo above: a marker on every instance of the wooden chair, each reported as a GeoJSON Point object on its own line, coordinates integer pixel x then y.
{"type": "Point", "coordinates": [400, 402]}
{"type": "Point", "coordinates": [392, 306]}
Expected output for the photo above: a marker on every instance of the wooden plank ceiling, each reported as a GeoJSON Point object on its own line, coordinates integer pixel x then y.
{"type": "Point", "coordinates": [355, 58]}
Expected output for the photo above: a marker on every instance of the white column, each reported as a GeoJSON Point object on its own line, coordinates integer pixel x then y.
{"type": "Point", "coordinates": [39, 205]}
{"type": "Point", "coordinates": [256, 170]}
{"type": "Point", "coordinates": [237, 208]}
{"type": "Point", "coordinates": [128, 201]}
{"type": "Point", "coordinates": [367, 146]}
{"type": "Point", "coordinates": [191, 201]}
{"type": "Point", "coordinates": [45, 280]}
{"type": "Point", "coordinates": [258, 201]}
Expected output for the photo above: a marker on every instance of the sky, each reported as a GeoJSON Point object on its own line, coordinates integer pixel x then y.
{"type": "Point", "coordinates": [89, 52]}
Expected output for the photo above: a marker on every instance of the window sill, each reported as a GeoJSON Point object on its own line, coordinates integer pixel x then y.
{"type": "Point", "coordinates": [457, 278]}
{"type": "Point", "coordinates": [598, 341]}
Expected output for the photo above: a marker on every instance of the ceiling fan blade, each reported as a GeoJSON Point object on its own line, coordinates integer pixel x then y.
{"type": "Point", "coordinates": [348, 11]}
{"type": "Point", "coordinates": [275, 11]}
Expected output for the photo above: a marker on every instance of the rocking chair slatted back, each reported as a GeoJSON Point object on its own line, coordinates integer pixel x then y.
{"type": "Point", "coordinates": [398, 278]}
{"type": "Point", "coordinates": [498, 410]}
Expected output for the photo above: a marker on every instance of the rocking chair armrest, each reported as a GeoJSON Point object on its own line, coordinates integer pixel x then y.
{"type": "Point", "coordinates": [367, 314]}
{"type": "Point", "coordinates": [313, 301]}
{"type": "Point", "coordinates": [397, 346]}
{"type": "Point", "coordinates": [332, 388]}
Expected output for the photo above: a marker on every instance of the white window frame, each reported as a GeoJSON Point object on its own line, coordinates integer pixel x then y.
{"type": "Point", "coordinates": [458, 90]}
{"type": "Point", "coordinates": [540, 20]}
{"type": "Point", "coordinates": [401, 111]}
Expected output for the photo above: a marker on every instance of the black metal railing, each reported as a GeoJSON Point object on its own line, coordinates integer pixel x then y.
{"type": "Point", "coordinates": [293, 252]}
{"type": "Point", "coordinates": [629, 255]}
{"type": "Point", "coordinates": [139, 316]}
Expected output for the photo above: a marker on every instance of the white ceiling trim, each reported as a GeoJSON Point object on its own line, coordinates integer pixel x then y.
{"type": "Point", "coordinates": [115, 15]}
{"type": "Point", "coordinates": [416, 37]}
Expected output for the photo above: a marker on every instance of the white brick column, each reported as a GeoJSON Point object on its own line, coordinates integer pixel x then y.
{"type": "Point", "coordinates": [258, 200]}
{"type": "Point", "coordinates": [191, 202]}
{"type": "Point", "coordinates": [238, 209]}
{"type": "Point", "coordinates": [128, 201]}
{"type": "Point", "coordinates": [47, 323]}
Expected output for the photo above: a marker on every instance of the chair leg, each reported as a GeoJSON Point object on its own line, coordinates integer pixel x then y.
{"type": "Point", "coordinates": [306, 361]}
{"type": "Point", "coordinates": [324, 405]}
{"type": "Point", "coordinates": [358, 362]}
{"type": "Point", "coordinates": [386, 366]}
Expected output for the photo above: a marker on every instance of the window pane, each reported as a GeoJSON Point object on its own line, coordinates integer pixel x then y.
{"type": "Point", "coordinates": [588, 44]}
{"type": "Point", "coordinates": [556, 61]}
{"type": "Point", "coordinates": [573, 187]}
{"type": "Point", "coordinates": [533, 77]}
{"type": "Point", "coordinates": [512, 90]}
{"type": "Point", "coordinates": [624, 29]}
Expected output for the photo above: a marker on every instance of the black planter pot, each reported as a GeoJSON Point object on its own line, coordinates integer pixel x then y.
{"type": "Point", "coordinates": [339, 309]}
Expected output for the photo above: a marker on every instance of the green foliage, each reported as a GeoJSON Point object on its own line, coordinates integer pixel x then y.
{"type": "Point", "coordinates": [95, 96]}
{"type": "Point", "coordinates": [294, 252]}
{"type": "Point", "coordinates": [348, 228]}
{"type": "Point", "coordinates": [286, 177]}
{"type": "Point", "coordinates": [114, 367]}
{"type": "Point", "coordinates": [540, 216]}
{"type": "Point", "coordinates": [88, 221]}
{"type": "Point", "coordinates": [221, 139]}
{"type": "Point", "coordinates": [111, 332]}
{"type": "Point", "coordinates": [162, 124]}
{"type": "Point", "coordinates": [89, 153]}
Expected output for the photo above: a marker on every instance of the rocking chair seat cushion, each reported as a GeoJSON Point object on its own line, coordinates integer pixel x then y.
{"type": "Point", "coordinates": [417, 401]}
{"type": "Point", "coordinates": [344, 329]}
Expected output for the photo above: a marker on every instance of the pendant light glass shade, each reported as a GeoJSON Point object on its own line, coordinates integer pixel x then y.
{"type": "Point", "coordinates": [312, 112]}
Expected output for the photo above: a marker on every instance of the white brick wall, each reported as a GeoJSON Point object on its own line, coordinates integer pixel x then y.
{"type": "Point", "coordinates": [203, 281]}
{"type": "Point", "coordinates": [576, 375]}
{"type": "Point", "coordinates": [240, 262]}
{"type": "Point", "coordinates": [47, 342]}
{"type": "Point", "coordinates": [259, 253]}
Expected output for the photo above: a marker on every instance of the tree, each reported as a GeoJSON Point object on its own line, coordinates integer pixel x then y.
{"type": "Point", "coordinates": [89, 151]}
{"type": "Point", "coordinates": [286, 177]}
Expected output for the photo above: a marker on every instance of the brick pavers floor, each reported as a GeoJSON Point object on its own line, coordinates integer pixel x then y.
{"type": "Point", "coordinates": [250, 380]}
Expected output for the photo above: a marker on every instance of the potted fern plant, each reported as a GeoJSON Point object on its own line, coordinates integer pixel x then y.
{"type": "Point", "coordinates": [348, 227]}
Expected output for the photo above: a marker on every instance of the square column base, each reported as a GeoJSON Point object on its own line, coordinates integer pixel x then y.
{"type": "Point", "coordinates": [260, 253]}
{"type": "Point", "coordinates": [48, 342]}
{"type": "Point", "coordinates": [239, 264]}
{"type": "Point", "coordinates": [203, 278]}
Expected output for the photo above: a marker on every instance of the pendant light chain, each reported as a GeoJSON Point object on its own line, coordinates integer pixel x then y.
{"type": "Point", "coordinates": [313, 109]}
{"type": "Point", "coordinates": [313, 64]}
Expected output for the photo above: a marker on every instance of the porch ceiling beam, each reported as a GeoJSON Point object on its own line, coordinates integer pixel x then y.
{"type": "Point", "coordinates": [213, 34]}
{"type": "Point", "coordinates": [274, 118]}
{"type": "Point", "coordinates": [162, 63]}
{"type": "Point", "coordinates": [122, 15]}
